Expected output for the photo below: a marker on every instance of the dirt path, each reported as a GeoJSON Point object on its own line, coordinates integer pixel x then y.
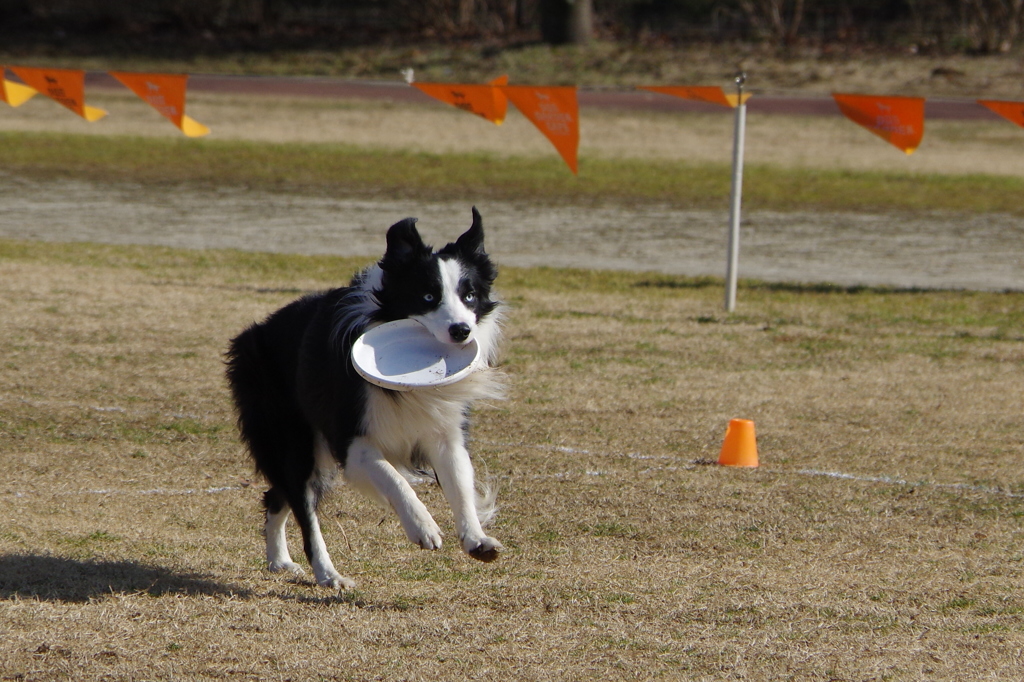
{"type": "Point", "coordinates": [933, 251]}
{"type": "Point", "coordinates": [925, 250]}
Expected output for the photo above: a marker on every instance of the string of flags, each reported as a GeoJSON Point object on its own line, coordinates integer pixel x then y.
{"type": "Point", "coordinates": [163, 92]}
{"type": "Point", "coordinates": [553, 110]}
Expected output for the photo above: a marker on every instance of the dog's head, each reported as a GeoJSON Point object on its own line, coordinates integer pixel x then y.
{"type": "Point", "coordinates": [449, 291]}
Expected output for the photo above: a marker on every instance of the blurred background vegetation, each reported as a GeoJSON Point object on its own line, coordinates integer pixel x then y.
{"type": "Point", "coordinates": [172, 27]}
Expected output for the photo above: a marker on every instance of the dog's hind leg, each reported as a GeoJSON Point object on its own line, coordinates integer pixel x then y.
{"type": "Point", "coordinates": [454, 470]}
{"type": "Point", "coordinates": [278, 558]}
{"type": "Point", "coordinates": [303, 507]}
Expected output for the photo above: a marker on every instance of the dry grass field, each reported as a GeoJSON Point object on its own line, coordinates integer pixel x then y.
{"type": "Point", "coordinates": [880, 539]}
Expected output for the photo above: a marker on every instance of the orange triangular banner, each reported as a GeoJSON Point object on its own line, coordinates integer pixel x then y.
{"type": "Point", "coordinates": [701, 93]}
{"type": "Point", "coordinates": [1011, 111]}
{"type": "Point", "coordinates": [555, 112]}
{"type": "Point", "coordinates": [166, 94]}
{"type": "Point", "coordinates": [65, 86]}
{"type": "Point", "coordinates": [486, 101]}
{"type": "Point", "coordinates": [897, 120]}
{"type": "Point", "coordinates": [13, 93]}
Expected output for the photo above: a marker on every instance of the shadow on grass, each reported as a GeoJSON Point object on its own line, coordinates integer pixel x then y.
{"type": "Point", "coordinates": [48, 578]}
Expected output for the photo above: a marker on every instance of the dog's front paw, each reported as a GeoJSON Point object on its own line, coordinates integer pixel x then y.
{"type": "Point", "coordinates": [289, 566]}
{"type": "Point", "coordinates": [427, 535]}
{"type": "Point", "coordinates": [486, 550]}
{"type": "Point", "coordinates": [430, 540]}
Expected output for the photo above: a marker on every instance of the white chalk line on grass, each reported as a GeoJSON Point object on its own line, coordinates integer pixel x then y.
{"type": "Point", "coordinates": [965, 487]}
{"type": "Point", "coordinates": [153, 491]}
{"type": "Point", "coordinates": [162, 491]}
{"type": "Point", "coordinates": [887, 480]}
{"type": "Point", "coordinates": [839, 475]}
{"type": "Point", "coordinates": [111, 409]}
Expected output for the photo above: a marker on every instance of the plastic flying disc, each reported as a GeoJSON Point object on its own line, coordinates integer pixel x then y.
{"type": "Point", "coordinates": [403, 355]}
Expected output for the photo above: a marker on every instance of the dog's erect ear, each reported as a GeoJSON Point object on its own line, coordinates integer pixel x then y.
{"type": "Point", "coordinates": [472, 240]}
{"type": "Point", "coordinates": [404, 243]}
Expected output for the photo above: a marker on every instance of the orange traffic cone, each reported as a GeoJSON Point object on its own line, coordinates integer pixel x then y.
{"type": "Point", "coordinates": [740, 446]}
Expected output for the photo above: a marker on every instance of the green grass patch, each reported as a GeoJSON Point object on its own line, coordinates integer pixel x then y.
{"type": "Point", "coordinates": [333, 168]}
{"type": "Point", "coordinates": [99, 536]}
{"type": "Point", "coordinates": [231, 268]}
{"type": "Point", "coordinates": [627, 557]}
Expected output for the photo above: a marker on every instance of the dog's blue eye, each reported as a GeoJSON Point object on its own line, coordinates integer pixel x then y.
{"type": "Point", "coordinates": [469, 297]}
{"type": "Point", "coordinates": [429, 298]}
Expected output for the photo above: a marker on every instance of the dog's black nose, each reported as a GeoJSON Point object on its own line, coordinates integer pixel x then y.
{"type": "Point", "coordinates": [459, 332]}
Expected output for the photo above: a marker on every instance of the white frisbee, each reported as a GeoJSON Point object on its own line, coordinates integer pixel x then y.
{"type": "Point", "coordinates": [403, 355]}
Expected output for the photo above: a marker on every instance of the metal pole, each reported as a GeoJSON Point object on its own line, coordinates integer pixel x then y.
{"type": "Point", "coordinates": [736, 197]}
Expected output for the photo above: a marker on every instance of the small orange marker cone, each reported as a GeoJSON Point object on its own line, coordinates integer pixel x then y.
{"type": "Point", "coordinates": [740, 446]}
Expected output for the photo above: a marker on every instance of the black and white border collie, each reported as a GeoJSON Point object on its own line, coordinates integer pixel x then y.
{"type": "Point", "coordinates": [304, 412]}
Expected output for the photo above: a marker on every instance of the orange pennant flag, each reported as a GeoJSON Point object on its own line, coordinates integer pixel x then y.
{"type": "Point", "coordinates": [701, 93]}
{"type": "Point", "coordinates": [65, 86]}
{"type": "Point", "coordinates": [166, 94]}
{"type": "Point", "coordinates": [1011, 111]}
{"type": "Point", "coordinates": [13, 93]}
{"type": "Point", "coordinates": [555, 112]}
{"type": "Point", "coordinates": [487, 101]}
{"type": "Point", "coordinates": [897, 120]}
